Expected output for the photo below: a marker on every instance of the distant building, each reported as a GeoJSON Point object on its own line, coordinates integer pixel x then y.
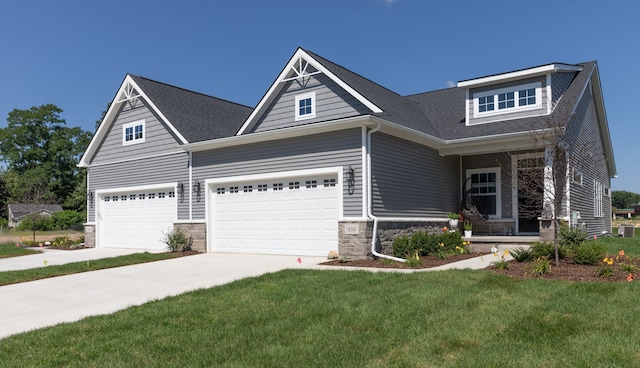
{"type": "Point", "coordinates": [16, 212]}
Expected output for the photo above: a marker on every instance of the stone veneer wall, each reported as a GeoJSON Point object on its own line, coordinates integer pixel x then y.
{"type": "Point", "coordinates": [198, 233]}
{"type": "Point", "coordinates": [355, 236]}
{"type": "Point", "coordinates": [89, 236]}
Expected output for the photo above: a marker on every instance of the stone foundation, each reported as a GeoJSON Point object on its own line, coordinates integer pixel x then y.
{"type": "Point", "coordinates": [355, 236]}
{"type": "Point", "coordinates": [89, 236]}
{"type": "Point", "coordinates": [197, 232]}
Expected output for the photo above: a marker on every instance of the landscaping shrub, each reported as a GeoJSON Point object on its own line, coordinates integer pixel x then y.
{"type": "Point", "coordinates": [522, 254]}
{"type": "Point", "coordinates": [588, 253]}
{"type": "Point", "coordinates": [66, 219]}
{"type": "Point", "coordinates": [544, 249]}
{"type": "Point", "coordinates": [571, 237]}
{"type": "Point", "coordinates": [175, 240]}
{"type": "Point", "coordinates": [440, 245]}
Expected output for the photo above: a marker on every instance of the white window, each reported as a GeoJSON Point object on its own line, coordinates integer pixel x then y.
{"type": "Point", "coordinates": [597, 199]}
{"type": "Point", "coordinates": [484, 188]}
{"type": "Point", "coordinates": [133, 132]}
{"type": "Point", "coordinates": [306, 106]}
{"type": "Point", "coordinates": [509, 99]}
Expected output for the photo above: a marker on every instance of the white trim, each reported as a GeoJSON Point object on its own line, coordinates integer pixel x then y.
{"type": "Point", "coordinates": [549, 95]}
{"type": "Point", "coordinates": [519, 74]}
{"type": "Point", "coordinates": [277, 85]}
{"type": "Point", "coordinates": [133, 125]}
{"type": "Point", "coordinates": [137, 158]}
{"type": "Point", "coordinates": [365, 174]}
{"type": "Point", "coordinates": [308, 95]}
{"type": "Point", "coordinates": [210, 190]}
{"type": "Point", "coordinates": [190, 185]}
{"type": "Point", "coordinates": [516, 108]}
{"type": "Point", "coordinates": [495, 170]}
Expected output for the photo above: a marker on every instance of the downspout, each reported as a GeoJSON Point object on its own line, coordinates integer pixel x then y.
{"type": "Point", "coordinates": [374, 236]}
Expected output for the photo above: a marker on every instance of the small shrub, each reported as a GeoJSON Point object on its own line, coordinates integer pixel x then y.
{"type": "Point", "coordinates": [521, 254]}
{"type": "Point", "coordinates": [588, 253]}
{"type": "Point", "coordinates": [571, 237]}
{"type": "Point", "coordinates": [387, 261]}
{"type": "Point", "coordinates": [175, 240]}
{"type": "Point", "coordinates": [628, 267]}
{"type": "Point", "coordinates": [540, 266]}
{"type": "Point", "coordinates": [544, 249]}
{"type": "Point", "coordinates": [62, 241]}
{"type": "Point", "coordinates": [400, 246]}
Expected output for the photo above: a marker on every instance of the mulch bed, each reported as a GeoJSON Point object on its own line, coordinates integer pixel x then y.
{"type": "Point", "coordinates": [426, 262]}
{"type": "Point", "coordinates": [567, 270]}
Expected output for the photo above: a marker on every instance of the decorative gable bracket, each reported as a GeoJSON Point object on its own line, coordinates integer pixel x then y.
{"type": "Point", "coordinates": [300, 70]}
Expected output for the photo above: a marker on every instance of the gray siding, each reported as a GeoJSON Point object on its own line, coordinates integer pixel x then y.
{"type": "Point", "coordinates": [332, 102]}
{"type": "Point", "coordinates": [496, 160]}
{"type": "Point", "coordinates": [158, 139]}
{"type": "Point", "coordinates": [586, 155]}
{"type": "Point", "coordinates": [156, 170]}
{"type": "Point", "coordinates": [341, 148]}
{"type": "Point", "coordinates": [508, 115]}
{"type": "Point", "coordinates": [411, 180]}
{"type": "Point", "coordinates": [559, 83]}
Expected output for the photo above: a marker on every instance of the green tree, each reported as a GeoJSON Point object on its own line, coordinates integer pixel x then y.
{"type": "Point", "coordinates": [624, 199]}
{"type": "Point", "coordinates": [36, 147]}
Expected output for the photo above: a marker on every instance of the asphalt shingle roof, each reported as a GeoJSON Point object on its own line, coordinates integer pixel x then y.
{"type": "Point", "coordinates": [196, 116]}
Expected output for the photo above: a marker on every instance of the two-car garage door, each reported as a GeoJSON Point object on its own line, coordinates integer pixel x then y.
{"type": "Point", "coordinates": [293, 215]}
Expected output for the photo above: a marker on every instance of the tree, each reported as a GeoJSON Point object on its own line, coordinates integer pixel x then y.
{"type": "Point", "coordinates": [37, 146]}
{"type": "Point", "coordinates": [624, 199]}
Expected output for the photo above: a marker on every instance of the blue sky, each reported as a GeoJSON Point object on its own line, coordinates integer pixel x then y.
{"type": "Point", "coordinates": [75, 54]}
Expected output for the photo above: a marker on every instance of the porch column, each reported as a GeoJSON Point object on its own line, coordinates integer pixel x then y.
{"type": "Point", "coordinates": [549, 188]}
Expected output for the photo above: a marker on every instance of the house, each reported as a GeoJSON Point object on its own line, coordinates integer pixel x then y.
{"type": "Point", "coordinates": [17, 211]}
{"type": "Point", "coordinates": [625, 213]}
{"type": "Point", "coordinates": [331, 160]}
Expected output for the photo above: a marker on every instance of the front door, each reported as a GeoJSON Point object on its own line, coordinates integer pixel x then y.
{"type": "Point", "coordinates": [529, 189]}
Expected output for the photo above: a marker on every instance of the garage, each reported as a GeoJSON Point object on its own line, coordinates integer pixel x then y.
{"type": "Point", "coordinates": [278, 215]}
{"type": "Point", "coordinates": [135, 218]}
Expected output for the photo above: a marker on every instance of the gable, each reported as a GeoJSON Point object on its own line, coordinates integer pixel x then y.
{"type": "Point", "coordinates": [157, 140]}
{"type": "Point", "coordinates": [330, 102]}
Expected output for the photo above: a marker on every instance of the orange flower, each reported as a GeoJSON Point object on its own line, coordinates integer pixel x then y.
{"type": "Point", "coordinates": [621, 252]}
{"type": "Point", "coordinates": [630, 277]}
{"type": "Point", "coordinates": [444, 229]}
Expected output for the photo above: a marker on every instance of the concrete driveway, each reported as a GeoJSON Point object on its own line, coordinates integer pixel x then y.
{"type": "Point", "coordinates": [42, 303]}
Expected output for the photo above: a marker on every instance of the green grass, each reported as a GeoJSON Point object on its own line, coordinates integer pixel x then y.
{"type": "Point", "coordinates": [10, 250]}
{"type": "Point", "coordinates": [13, 277]}
{"type": "Point", "coordinates": [307, 318]}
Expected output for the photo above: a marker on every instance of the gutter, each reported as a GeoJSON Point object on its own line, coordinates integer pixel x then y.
{"type": "Point", "coordinates": [370, 215]}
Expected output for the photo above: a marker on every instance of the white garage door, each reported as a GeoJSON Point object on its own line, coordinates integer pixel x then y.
{"type": "Point", "coordinates": [136, 219]}
{"type": "Point", "coordinates": [296, 216]}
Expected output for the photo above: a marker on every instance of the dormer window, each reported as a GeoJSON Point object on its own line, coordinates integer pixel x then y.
{"type": "Point", "coordinates": [133, 133]}
{"type": "Point", "coordinates": [306, 106]}
{"type": "Point", "coordinates": [508, 99]}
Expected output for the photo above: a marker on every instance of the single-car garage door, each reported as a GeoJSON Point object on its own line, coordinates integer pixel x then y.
{"type": "Point", "coordinates": [297, 216]}
{"type": "Point", "coordinates": [135, 219]}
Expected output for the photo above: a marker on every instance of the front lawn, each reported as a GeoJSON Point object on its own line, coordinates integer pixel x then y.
{"type": "Point", "coordinates": [10, 250]}
{"type": "Point", "coordinates": [307, 318]}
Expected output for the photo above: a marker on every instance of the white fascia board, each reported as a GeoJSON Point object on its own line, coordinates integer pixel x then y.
{"type": "Point", "coordinates": [491, 144]}
{"type": "Point", "coordinates": [604, 123]}
{"type": "Point", "coordinates": [277, 86]}
{"type": "Point", "coordinates": [272, 135]}
{"type": "Point", "coordinates": [505, 77]}
{"type": "Point", "coordinates": [409, 134]}
{"type": "Point", "coordinates": [106, 123]}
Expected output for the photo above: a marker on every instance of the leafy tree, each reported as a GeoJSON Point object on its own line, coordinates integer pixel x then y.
{"type": "Point", "coordinates": [36, 147]}
{"type": "Point", "coordinates": [624, 199]}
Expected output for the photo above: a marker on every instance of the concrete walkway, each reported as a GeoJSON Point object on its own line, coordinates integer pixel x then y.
{"type": "Point", "coordinates": [42, 303]}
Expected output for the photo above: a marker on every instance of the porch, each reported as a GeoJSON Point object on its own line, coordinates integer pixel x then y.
{"type": "Point", "coordinates": [484, 243]}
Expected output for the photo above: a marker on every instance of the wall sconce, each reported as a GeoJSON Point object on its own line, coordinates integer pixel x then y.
{"type": "Point", "coordinates": [91, 199]}
{"type": "Point", "coordinates": [196, 190]}
{"type": "Point", "coordinates": [181, 191]}
{"type": "Point", "coordinates": [351, 179]}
